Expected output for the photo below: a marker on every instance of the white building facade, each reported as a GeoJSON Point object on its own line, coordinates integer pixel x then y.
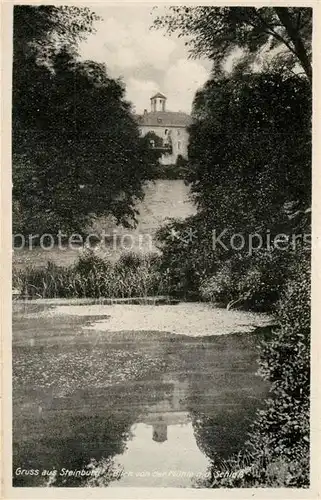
{"type": "Point", "coordinates": [170, 126]}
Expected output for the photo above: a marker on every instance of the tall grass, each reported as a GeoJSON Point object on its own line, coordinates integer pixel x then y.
{"type": "Point", "coordinates": [133, 275]}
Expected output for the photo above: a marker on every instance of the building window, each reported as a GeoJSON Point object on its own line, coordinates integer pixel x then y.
{"type": "Point", "coordinates": [179, 145]}
{"type": "Point", "coordinates": [159, 120]}
{"type": "Point", "coordinates": [166, 131]}
{"type": "Point", "coordinates": [178, 132]}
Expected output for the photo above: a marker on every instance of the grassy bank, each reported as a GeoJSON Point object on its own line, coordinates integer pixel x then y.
{"type": "Point", "coordinates": [93, 276]}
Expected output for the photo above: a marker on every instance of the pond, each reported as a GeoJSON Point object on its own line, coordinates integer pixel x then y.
{"type": "Point", "coordinates": [163, 199]}
{"type": "Point", "coordinates": [127, 395]}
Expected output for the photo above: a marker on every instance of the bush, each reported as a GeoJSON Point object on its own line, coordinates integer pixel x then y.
{"type": "Point", "coordinates": [220, 287]}
{"type": "Point", "coordinates": [187, 256]}
{"type": "Point", "coordinates": [243, 471]}
{"type": "Point", "coordinates": [277, 452]}
{"type": "Point", "coordinates": [285, 363]}
{"type": "Point", "coordinates": [252, 282]}
{"type": "Point", "coordinates": [130, 260]}
{"type": "Point", "coordinates": [196, 271]}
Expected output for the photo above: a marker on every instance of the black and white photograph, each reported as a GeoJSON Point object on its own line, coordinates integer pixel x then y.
{"type": "Point", "coordinates": [161, 246]}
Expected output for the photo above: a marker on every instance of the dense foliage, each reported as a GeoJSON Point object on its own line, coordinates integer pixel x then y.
{"type": "Point", "coordinates": [249, 170]}
{"type": "Point", "coordinates": [277, 453]}
{"type": "Point", "coordinates": [76, 145]}
{"type": "Point", "coordinates": [283, 34]}
{"type": "Point", "coordinates": [250, 175]}
{"type": "Point", "coordinates": [285, 362]}
{"type": "Point", "coordinates": [250, 150]}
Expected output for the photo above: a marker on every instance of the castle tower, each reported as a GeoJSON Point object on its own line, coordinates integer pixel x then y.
{"type": "Point", "coordinates": [160, 431]}
{"type": "Point", "coordinates": [158, 102]}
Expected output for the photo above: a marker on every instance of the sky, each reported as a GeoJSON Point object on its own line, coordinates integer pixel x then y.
{"type": "Point", "coordinates": [147, 60]}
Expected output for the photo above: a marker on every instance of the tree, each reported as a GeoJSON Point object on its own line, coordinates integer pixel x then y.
{"type": "Point", "coordinates": [216, 31]}
{"type": "Point", "coordinates": [76, 145]}
{"type": "Point", "coordinates": [250, 150]}
{"type": "Point", "coordinates": [250, 172]}
{"type": "Point", "coordinates": [155, 147]}
{"type": "Point", "coordinates": [40, 31]}
{"type": "Point", "coordinates": [249, 169]}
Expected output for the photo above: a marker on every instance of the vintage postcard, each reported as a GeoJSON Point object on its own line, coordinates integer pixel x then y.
{"type": "Point", "coordinates": [159, 191]}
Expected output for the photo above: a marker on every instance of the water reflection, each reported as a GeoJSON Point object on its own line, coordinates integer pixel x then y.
{"type": "Point", "coordinates": [184, 402]}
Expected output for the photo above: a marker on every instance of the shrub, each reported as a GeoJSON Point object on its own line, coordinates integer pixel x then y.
{"type": "Point", "coordinates": [89, 261]}
{"type": "Point", "coordinates": [252, 282]}
{"type": "Point", "coordinates": [195, 270]}
{"type": "Point", "coordinates": [219, 287]}
{"type": "Point", "coordinates": [277, 452]}
{"type": "Point", "coordinates": [285, 362]}
{"type": "Point", "coordinates": [244, 471]}
{"type": "Point", "coordinates": [130, 260]}
{"type": "Point", "coordinates": [187, 256]}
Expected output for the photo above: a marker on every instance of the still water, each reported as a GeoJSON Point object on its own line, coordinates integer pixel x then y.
{"type": "Point", "coordinates": [104, 397]}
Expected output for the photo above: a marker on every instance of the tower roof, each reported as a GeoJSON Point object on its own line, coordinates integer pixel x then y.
{"type": "Point", "coordinates": [162, 96]}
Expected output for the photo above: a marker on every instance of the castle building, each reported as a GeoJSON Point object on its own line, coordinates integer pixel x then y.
{"type": "Point", "coordinates": [169, 126]}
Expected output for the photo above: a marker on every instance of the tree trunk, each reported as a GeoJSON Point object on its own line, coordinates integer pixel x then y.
{"type": "Point", "coordinates": [285, 18]}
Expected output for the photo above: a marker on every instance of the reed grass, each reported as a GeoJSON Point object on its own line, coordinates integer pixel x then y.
{"type": "Point", "coordinates": [93, 276]}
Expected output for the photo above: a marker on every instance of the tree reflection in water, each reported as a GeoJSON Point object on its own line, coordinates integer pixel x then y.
{"type": "Point", "coordinates": [209, 382]}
